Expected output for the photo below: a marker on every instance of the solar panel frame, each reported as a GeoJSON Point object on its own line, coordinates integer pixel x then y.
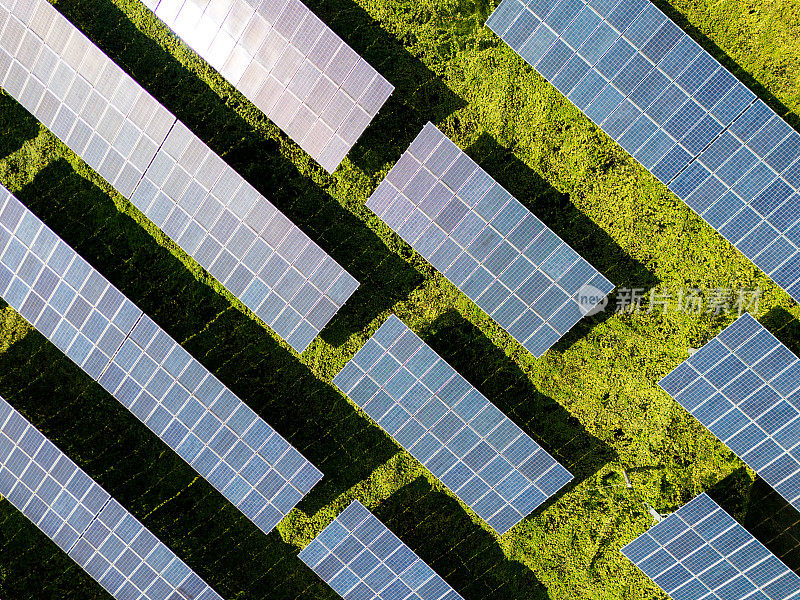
{"type": "Point", "coordinates": [170, 175]}
{"type": "Point", "coordinates": [744, 386]}
{"type": "Point", "coordinates": [694, 101]}
{"type": "Point", "coordinates": [286, 61]}
{"type": "Point", "coordinates": [487, 243]}
{"type": "Point", "coordinates": [359, 557]}
{"type": "Point", "coordinates": [147, 371]}
{"type": "Point", "coordinates": [700, 551]}
{"type": "Point", "coordinates": [486, 460]}
{"type": "Point", "coordinates": [101, 536]}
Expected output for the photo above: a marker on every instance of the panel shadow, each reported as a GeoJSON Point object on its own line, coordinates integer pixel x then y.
{"type": "Point", "coordinates": [254, 152]}
{"type": "Point", "coordinates": [763, 512]}
{"type": "Point", "coordinates": [17, 126]}
{"type": "Point", "coordinates": [784, 326]}
{"type": "Point", "coordinates": [310, 413]}
{"type": "Point", "coordinates": [434, 525]}
{"type": "Point", "coordinates": [420, 95]}
{"type": "Point", "coordinates": [556, 210]}
{"type": "Point", "coordinates": [488, 368]}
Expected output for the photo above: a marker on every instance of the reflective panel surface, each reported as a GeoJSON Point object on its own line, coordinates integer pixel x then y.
{"type": "Point", "coordinates": [138, 363]}
{"type": "Point", "coordinates": [360, 558]}
{"type": "Point", "coordinates": [700, 552]}
{"type": "Point", "coordinates": [493, 466]}
{"type": "Point", "coordinates": [289, 64]}
{"type": "Point", "coordinates": [70, 508]}
{"type": "Point", "coordinates": [168, 173]}
{"type": "Point", "coordinates": [487, 243]}
{"type": "Point", "coordinates": [677, 111]}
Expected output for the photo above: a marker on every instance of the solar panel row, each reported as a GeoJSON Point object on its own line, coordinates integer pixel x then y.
{"type": "Point", "coordinates": [169, 174]}
{"type": "Point", "coordinates": [361, 559]}
{"type": "Point", "coordinates": [744, 386]}
{"type": "Point", "coordinates": [677, 111]}
{"type": "Point", "coordinates": [701, 552]}
{"type": "Point", "coordinates": [486, 242]}
{"type": "Point", "coordinates": [136, 361]}
{"type": "Point", "coordinates": [68, 506]}
{"type": "Point", "coordinates": [242, 239]}
{"type": "Point", "coordinates": [449, 426]}
{"type": "Point", "coordinates": [289, 64]}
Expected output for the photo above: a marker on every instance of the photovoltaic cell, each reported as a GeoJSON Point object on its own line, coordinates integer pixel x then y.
{"type": "Point", "coordinates": [289, 64]}
{"type": "Point", "coordinates": [677, 111]}
{"type": "Point", "coordinates": [450, 427]}
{"type": "Point", "coordinates": [744, 386]}
{"type": "Point", "coordinates": [487, 243]}
{"type": "Point", "coordinates": [68, 506]}
{"type": "Point", "coordinates": [146, 370]}
{"type": "Point", "coordinates": [360, 558]}
{"type": "Point", "coordinates": [168, 173]}
{"type": "Point", "coordinates": [701, 552]}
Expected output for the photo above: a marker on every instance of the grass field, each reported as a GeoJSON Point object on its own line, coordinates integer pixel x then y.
{"type": "Point", "coordinates": [592, 400]}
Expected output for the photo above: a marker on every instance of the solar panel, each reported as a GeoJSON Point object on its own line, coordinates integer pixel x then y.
{"type": "Point", "coordinates": [169, 174]}
{"type": "Point", "coordinates": [487, 243]}
{"type": "Point", "coordinates": [486, 460]}
{"type": "Point", "coordinates": [677, 111]}
{"type": "Point", "coordinates": [289, 64]}
{"type": "Point", "coordinates": [361, 559]}
{"type": "Point", "coordinates": [68, 506]}
{"type": "Point", "coordinates": [700, 551]}
{"type": "Point", "coordinates": [744, 386]}
{"type": "Point", "coordinates": [147, 371]}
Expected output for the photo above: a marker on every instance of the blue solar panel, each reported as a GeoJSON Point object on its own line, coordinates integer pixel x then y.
{"type": "Point", "coordinates": [449, 426]}
{"type": "Point", "coordinates": [684, 117]}
{"type": "Point", "coordinates": [361, 559]}
{"type": "Point", "coordinates": [744, 385]}
{"type": "Point", "coordinates": [487, 243]}
{"type": "Point", "coordinates": [68, 506]}
{"type": "Point", "coordinates": [169, 174]}
{"type": "Point", "coordinates": [146, 370]}
{"type": "Point", "coordinates": [701, 552]}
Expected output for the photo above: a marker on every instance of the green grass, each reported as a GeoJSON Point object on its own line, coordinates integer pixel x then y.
{"type": "Point", "coordinates": [592, 400]}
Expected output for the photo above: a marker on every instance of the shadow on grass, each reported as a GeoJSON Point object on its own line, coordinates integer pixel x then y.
{"type": "Point", "coordinates": [435, 526]}
{"type": "Point", "coordinates": [563, 217]}
{"type": "Point", "coordinates": [763, 512]}
{"type": "Point", "coordinates": [299, 191]}
{"type": "Point", "coordinates": [487, 367]}
{"type": "Point", "coordinates": [726, 61]}
{"type": "Point", "coordinates": [17, 126]}
{"type": "Point", "coordinates": [784, 326]}
{"type": "Point", "coordinates": [124, 456]}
